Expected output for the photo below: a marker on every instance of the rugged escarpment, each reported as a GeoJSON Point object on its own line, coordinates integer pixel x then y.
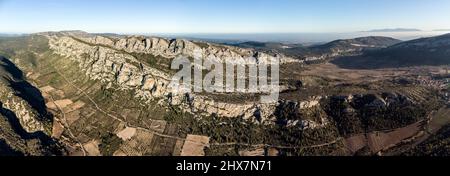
{"type": "Point", "coordinates": [16, 141]}
{"type": "Point", "coordinates": [22, 98]}
{"type": "Point", "coordinates": [24, 121]}
{"type": "Point", "coordinates": [358, 113]}
{"type": "Point", "coordinates": [111, 66]}
{"type": "Point", "coordinates": [374, 112]}
{"type": "Point", "coordinates": [116, 64]}
{"type": "Point", "coordinates": [175, 47]}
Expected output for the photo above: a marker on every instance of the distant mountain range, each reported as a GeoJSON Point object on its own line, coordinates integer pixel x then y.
{"type": "Point", "coordinates": [424, 51]}
{"type": "Point", "coordinates": [266, 45]}
{"type": "Point", "coordinates": [323, 51]}
{"type": "Point", "coordinates": [395, 30]}
{"type": "Point", "coordinates": [10, 35]}
{"type": "Point", "coordinates": [367, 52]}
{"type": "Point", "coordinates": [362, 42]}
{"type": "Point", "coordinates": [441, 30]}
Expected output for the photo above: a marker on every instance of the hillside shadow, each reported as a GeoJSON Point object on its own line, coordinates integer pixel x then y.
{"type": "Point", "coordinates": [46, 141]}
{"type": "Point", "coordinates": [6, 150]}
{"type": "Point", "coordinates": [366, 62]}
{"type": "Point", "coordinates": [11, 75]}
{"type": "Point", "coordinates": [395, 60]}
{"type": "Point", "coordinates": [32, 95]}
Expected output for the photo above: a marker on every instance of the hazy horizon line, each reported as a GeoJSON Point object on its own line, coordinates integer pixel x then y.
{"type": "Point", "coordinates": [286, 38]}
{"type": "Point", "coordinates": [380, 30]}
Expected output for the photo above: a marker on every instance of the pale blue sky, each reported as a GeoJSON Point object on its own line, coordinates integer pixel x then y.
{"type": "Point", "coordinates": [221, 16]}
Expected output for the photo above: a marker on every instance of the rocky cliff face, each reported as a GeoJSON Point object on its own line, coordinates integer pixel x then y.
{"type": "Point", "coordinates": [113, 64]}
{"type": "Point", "coordinates": [27, 116]}
{"type": "Point", "coordinates": [113, 67]}
{"type": "Point", "coordinates": [15, 138]}
{"type": "Point", "coordinates": [111, 61]}
{"type": "Point", "coordinates": [11, 99]}
{"type": "Point", "coordinates": [24, 126]}
{"type": "Point", "coordinates": [172, 48]}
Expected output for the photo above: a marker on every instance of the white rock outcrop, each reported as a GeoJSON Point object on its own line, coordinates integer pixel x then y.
{"type": "Point", "coordinates": [111, 66]}
{"type": "Point", "coordinates": [24, 112]}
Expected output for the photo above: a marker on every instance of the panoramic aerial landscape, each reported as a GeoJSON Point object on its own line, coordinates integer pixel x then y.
{"type": "Point", "coordinates": [97, 89]}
